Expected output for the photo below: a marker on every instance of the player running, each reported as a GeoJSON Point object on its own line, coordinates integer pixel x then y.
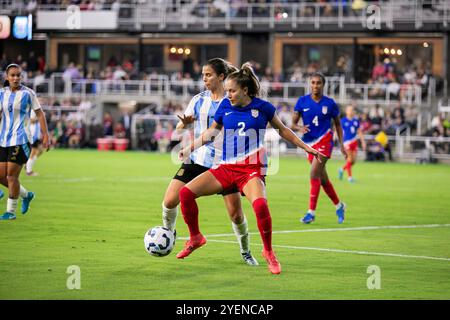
{"type": "Point", "coordinates": [244, 118]}
{"type": "Point", "coordinates": [16, 101]}
{"type": "Point", "coordinates": [36, 144]}
{"type": "Point", "coordinates": [201, 111]}
{"type": "Point", "coordinates": [317, 112]}
{"type": "Point", "coordinates": [352, 131]}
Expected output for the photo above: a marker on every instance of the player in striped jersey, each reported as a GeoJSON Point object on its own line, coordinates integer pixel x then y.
{"type": "Point", "coordinates": [244, 118]}
{"type": "Point", "coordinates": [16, 101]}
{"type": "Point", "coordinates": [352, 131]}
{"type": "Point", "coordinates": [200, 112]}
{"type": "Point", "coordinates": [318, 112]}
{"type": "Point", "coordinates": [36, 144]}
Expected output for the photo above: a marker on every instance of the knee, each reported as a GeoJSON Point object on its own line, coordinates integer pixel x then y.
{"type": "Point", "coordinates": [170, 202]}
{"type": "Point", "coordinates": [186, 194]}
{"type": "Point", "coordinates": [12, 179]}
{"type": "Point", "coordinates": [236, 215]}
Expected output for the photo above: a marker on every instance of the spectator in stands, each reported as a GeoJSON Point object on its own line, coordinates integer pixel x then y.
{"type": "Point", "coordinates": [365, 123]}
{"type": "Point", "coordinates": [119, 131]}
{"type": "Point", "coordinates": [125, 120]}
{"type": "Point", "coordinates": [107, 125]}
{"type": "Point", "coordinates": [285, 115]}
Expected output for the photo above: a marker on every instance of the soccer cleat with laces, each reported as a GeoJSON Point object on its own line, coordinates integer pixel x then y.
{"type": "Point", "coordinates": [341, 213]}
{"type": "Point", "coordinates": [308, 218]}
{"type": "Point", "coordinates": [272, 262]}
{"type": "Point", "coordinates": [26, 202]}
{"type": "Point", "coordinates": [191, 245]}
{"type": "Point", "coordinates": [8, 216]}
{"type": "Point", "coordinates": [249, 259]}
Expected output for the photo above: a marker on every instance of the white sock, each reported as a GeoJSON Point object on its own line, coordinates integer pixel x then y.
{"type": "Point", "coordinates": [30, 164]}
{"type": "Point", "coordinates": [313, 212]}
{"type": "Point", "coordinates": [11, 205]}
{"type": "Point", "coordinates": [23, 192]}
{"type": "Point", "coordinates": [242, 236]}
{"type": "Point", "coordinates": [338, 206]}
{"type": "Point", "coordinates": [169, 217]}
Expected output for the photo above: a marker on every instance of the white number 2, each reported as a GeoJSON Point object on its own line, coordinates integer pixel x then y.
{"type": "Point", "coordinates": [316, 121]}
{"type": "Point", "coordinates": [241, 126]}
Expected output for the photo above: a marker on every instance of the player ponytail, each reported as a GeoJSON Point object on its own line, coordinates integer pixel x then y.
{"type": "Point", "coordinates": [221, 66]}
{"type": "Point", "coordinates": [246, 78]}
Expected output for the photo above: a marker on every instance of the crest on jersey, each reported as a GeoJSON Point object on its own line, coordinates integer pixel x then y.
{"type": "Point", "coordinates": [255, 113]}
{"type": "Point", "coordinates": [324, 109]}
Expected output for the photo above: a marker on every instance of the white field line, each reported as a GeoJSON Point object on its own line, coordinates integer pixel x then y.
{"type": "Point", "coordinates": [399, 255]}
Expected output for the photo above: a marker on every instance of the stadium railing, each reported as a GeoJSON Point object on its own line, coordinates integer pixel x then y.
{"type": "Point", "coordinates": [168, 14]}
{"type": "Point", "coordinates": [183, 90]}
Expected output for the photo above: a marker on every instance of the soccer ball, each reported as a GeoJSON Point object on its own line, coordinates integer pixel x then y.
{"type": "Point", "coordinates": [159, 241]}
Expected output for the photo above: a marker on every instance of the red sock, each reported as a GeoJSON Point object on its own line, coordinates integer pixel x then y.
{"type": "Point", "coordinates": [314, 193]}
{"type": "Point", "coordinates": [348, 166]}
{"type": "Point", "coordinates": [190, 211]}
{"type": "Point", "coordinates": [329, 190]}
{"type": "Point", "coordinates": [264, 222]}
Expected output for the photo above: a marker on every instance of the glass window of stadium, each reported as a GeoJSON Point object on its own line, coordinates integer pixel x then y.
{"type": "Point", "coordinates": [332, 60]}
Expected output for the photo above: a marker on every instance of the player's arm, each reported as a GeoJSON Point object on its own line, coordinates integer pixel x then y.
{"type": "Point", "coordinates": [295, 127]}
{"type": "Point", "coordinates": [40, 115]}
{"type": "Point", "coordinates": [340, 135]}
{"type": "Point", "coordinates": [361, 138]}
{"type": "Point", "coordinates": [207, 136]}
{"type": "Point", "coordinates": [288, 135]}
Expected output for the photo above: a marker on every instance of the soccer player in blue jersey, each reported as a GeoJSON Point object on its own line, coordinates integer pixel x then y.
{"type": "Point", "coordinates": [16, 102]}
{"type": "Point", "coordinates": [244, 118]}
{"type": "Point", "coordinates": [318, 112]}
{"type": "Point", "coordinates": [36, 144]}
{"type": "Point", "coordinates": [200, 112]}
{"type": "Point", "coordinates": [352, 131]}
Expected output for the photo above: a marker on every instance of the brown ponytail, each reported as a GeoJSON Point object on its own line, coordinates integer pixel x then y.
{"type": "Point", "coordinates": [246, 78]}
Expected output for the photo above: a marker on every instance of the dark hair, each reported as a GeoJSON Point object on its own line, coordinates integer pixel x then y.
{"type": "Point", "coordinates": [12, 65]}
{"type": "Point", "coordinates": [246, 78]}
{"type": "Point", "coordinates": [320, 75]}
{"type": "Point", "coordinates": [221, 66]}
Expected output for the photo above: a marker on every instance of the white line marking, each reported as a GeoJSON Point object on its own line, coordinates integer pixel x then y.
{"type": "Point", "coordinates": [340, 229]}
{"type": "Point", "coordinates": [398, 255]}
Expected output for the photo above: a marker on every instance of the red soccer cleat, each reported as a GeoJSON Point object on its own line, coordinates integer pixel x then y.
{"type": "Point", "coordinates": [272, 262]}
{"type": "Point", "coordinates": [190, 245]}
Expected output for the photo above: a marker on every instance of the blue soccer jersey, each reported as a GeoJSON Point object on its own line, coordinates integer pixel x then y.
{"type": "Point", "coordinates": [15, 110]}
{"type": "Point", "coordinates": [350, 129]}
{"type": "Point", "coordinates": [35, 128]}
{"type": "Point", "coordinates": [244, 128]}
{"type": "Point", "coordinates": [317, 115]}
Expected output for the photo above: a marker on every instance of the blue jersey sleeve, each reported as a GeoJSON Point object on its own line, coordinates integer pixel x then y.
{"type": "Point", "coordinates": [218, 116]}
{"type": "Point", "coordinates": [298, 105]}
{"type": "Point", "coordinates": [269, 110]}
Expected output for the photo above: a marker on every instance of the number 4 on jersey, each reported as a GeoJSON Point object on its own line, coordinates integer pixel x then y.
{"type": "Point", "coordinates": [316, 121]}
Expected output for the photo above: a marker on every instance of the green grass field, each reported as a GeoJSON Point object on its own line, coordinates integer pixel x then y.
{"type": "Point", "coordinates": [92, 210]}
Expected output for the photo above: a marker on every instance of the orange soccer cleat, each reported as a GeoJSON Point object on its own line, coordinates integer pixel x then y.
{"type": "Point", "coordinates": [190, 245]}
{"type": "Point", "coordinates": [272, 262]}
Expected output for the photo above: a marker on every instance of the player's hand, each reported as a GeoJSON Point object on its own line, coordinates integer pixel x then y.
{"type": "Point", "coordinates": [304, 129]}
{"type": "Point", "coordinates": [45, 142]}
{"type": "Point", "coordinates": [184, 153]}
{"type": "Point", "coordinates": [318, 155]}
{"type": "Point", "coordinates": [186, 119]}
{"type": "Point", "coordinates": [344, 152]}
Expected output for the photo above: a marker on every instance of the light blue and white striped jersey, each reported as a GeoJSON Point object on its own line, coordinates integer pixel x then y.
{"type": "Point", "coordinates": [15, 110]}
{"type": "Point", "coordinates": [203, 108]}
{"type": "Point", "coordinates": [35, 128]}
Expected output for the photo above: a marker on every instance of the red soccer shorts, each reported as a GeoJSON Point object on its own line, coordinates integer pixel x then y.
{"type": "Point", "coordinates": [324, 146]}
{"type": "Point", "coordinates": [230, 175]}
{"type": "Point", "coordinates": [351, 146]}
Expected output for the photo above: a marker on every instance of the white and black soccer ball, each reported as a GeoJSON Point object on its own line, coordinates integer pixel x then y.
{"type": "Point", "coordinates": [159, 241]}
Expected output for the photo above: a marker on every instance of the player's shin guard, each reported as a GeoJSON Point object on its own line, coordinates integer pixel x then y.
{"type": "Point", "coordinates": [241, 232]}
{"type": "Point", "coordinates": [314, 193]}
{"type": "Point", "coordinates": [329, 190]}
{"type": "Point", "coordinates": [169, 217]}
{"type": "Point", "coordinates": [189, 209]}
{"type": "Point", "coordinates": [264, 222]}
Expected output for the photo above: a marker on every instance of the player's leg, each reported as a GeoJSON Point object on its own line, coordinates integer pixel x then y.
{"type": "Point", "coordinates": [314, 178]}
{"type": "Point", "coordinates": [3, 180]}
{"type": "Point", "coordinates": [255, 192]}
{"type": "Point", "coordinates": [170, 204]}
{"type": "Point", "coordinates": [351, 160]}
{"type": "Point", "coordinates": [12, 176]}
{"type": "Point", "coordinates": [331, 193]}
{"type": "Point", "coordinates": [240, 226]}
{"type": "Point", "coordinates": [35, 152]}
{"type": "Point", "coordinates": [204, 184]}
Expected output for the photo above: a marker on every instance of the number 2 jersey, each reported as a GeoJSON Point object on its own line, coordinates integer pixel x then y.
{"type": "Point", "coordinates": [318, 115]}
{"type": "Point", "coordinates": [244, 131]}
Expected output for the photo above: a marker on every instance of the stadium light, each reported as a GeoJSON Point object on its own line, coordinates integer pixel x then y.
{"type": "Point", "coordinates": [180, 50]}
{"type": "Point", "coordinates": [425, 45]}
{"type": "Point", "coordinates": [399, 52]}
{"type": "Point", "coordinates": [386, 50]}
{"type": "Point", "coordinates": [187, 51]}
{"type": "Point", "coordinates": [173, 50]}
{"type": "Point", "coordinates": [392, 51]}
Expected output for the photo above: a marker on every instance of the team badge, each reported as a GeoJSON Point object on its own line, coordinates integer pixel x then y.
{"type": "Point", "coordinates": [255, 113]}
{"type": "Point", "coordinates": [324, 109]}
